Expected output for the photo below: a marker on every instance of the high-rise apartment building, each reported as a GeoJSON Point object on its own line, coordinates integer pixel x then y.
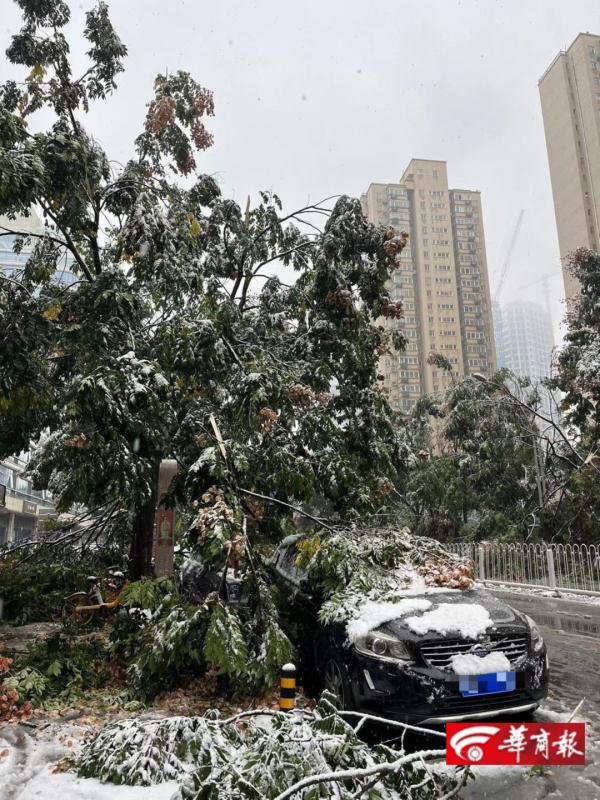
{"type": "Point", "coordinates": [570, 95]}
{"type": "Point", "coordinates": [524, 339]}
{"type": "Point", "coordinates": [442, 281]}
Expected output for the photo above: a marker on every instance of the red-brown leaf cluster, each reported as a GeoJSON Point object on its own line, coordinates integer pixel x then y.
{"type": "Point", "coordinates": [160, 114]}
{"type": "Point", "coordinates": [10, 708]}
{"type": "Point", "coordinates": [341, 299]}
{"type": "Point", "coordinates": [391, 309]}
{"type": "Point", "coordinates": [201, 138]}
{"type": "Point", "coordinates": [267, 419]}
{"type": "Point", "coordinates": [452, 576]}
{"type": "Point", "coordinates": [395, 244]}
{"type": "Point", "coordinates": [215, 512]}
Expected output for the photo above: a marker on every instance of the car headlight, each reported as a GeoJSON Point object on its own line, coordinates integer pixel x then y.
{"type": "Point", "coordinates": [377, 644]}
{"type": "Point", "coordinates": [537, 642]}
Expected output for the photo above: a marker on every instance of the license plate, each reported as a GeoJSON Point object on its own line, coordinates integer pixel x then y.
{"type": "Point", "coordinates": [490, 683]}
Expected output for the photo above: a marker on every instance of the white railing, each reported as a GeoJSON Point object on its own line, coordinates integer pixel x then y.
{"type": "Point", "coordinates": [568, 567]}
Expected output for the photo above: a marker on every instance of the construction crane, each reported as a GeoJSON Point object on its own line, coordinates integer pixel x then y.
{"type": "Point", "coordinates": [506, 264]}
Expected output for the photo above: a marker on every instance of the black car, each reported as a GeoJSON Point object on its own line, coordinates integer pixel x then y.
{"type": "Point", "coordinates": [398, 674]}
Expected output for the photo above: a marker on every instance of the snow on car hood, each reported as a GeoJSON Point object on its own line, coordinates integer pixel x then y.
{"type": "Point", "coordinates": [466, 613]}
{"type": "Point", "coordinates": [373, 613]}
{"type": "Point", "coordinates": [470, 620]}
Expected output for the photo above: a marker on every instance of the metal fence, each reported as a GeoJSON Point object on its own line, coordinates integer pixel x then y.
{"type": "Point", "coordinates": [570, 567]}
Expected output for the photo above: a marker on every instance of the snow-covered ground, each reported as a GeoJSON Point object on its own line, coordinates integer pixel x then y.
{"type": "Point", "coordinates": [28, 760]}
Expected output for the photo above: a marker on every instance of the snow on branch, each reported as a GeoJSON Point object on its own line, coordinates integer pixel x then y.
{"type": "Point", "coordinates": [341, 775]}
{"type": "Point", "coordinates": [263, 753]}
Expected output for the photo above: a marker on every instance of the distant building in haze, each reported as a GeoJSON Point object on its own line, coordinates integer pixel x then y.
{"type": "Point", "coordinates": [524, 339]}
{"type": "Point", "coordinates": [442, 280]}
{"type": "Point", "coordinates": [570, 95]}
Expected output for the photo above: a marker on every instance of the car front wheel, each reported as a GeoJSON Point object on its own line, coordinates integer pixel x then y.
{"type": "Point", "coordinates": [336, 682]}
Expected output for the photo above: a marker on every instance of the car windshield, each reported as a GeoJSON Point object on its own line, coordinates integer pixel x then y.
{"type": "Point", "coordinates": [286, 563]}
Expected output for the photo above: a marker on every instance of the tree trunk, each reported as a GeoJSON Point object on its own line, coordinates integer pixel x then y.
{"type": "Point", "coordinates": [140, 552]}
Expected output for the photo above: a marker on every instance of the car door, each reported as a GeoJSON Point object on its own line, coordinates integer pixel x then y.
{"type": "Point", "coordinates": [298, 608]}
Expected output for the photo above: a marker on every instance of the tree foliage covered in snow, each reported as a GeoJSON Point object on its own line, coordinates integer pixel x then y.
{"type": "Point", "coordinates": [579, 361]}
{"type": "Point", "coordinates": [264, 754]}
{"type": "Point", "coordinates": [176, 315]}
{"type": "Point", "coordinates": [164, 641]}
{"type": "Point", "coordinates": [473, 469]}
{"type": "Point", "coordinates": [360, 565]}
{"type": "Point", "coordinates": [491, 461]}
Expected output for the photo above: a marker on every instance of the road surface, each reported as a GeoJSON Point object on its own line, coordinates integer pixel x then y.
{"type": "Point", "coordinates": [572, 634]}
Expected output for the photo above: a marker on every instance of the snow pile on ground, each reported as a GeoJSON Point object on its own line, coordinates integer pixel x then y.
{"type": "Point", "coordinates": [371, 614]}
{"type": "Point", "coordinates": [562, 594]}
{"type": "Point", "coordinates": [470, 664]}
{"type": "Point", "coordinates": [469, 620]}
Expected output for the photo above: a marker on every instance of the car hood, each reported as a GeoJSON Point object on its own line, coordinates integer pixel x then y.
{"type": "Point", "coordinates": [502, 615]}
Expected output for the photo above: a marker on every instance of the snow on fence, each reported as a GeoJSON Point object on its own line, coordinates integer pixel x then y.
{"type": "Point", "coordinates": [570, 567]}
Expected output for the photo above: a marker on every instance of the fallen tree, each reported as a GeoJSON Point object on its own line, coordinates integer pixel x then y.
{"type": "Point", "coordinates": [177, 317]}
{"type": "Point", "coordinates": [267, 754]}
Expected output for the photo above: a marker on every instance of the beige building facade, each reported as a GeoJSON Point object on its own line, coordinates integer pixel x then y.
{"type": "Point", "coordinates": [570, 97]}
{"type": "Point", "coordinates": [442, 281]}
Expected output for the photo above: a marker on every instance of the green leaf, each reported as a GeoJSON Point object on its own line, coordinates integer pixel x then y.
{"type": "Point", "coordinates": [224, 643]}
{"type": "Point", "coordinates": [54, 669]}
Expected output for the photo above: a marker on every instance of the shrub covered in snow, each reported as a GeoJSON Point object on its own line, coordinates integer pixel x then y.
{"type": "Point", "coordinates": [261, 755]}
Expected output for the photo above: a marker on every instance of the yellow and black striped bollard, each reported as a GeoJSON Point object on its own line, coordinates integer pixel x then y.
{"type": "Point", "coordinates": [287, 691]}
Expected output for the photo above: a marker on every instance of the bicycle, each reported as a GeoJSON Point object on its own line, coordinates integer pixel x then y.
{"type": "Point", "coordinates": [84, 607]}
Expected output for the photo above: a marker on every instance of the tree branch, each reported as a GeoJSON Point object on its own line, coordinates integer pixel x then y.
{"type": "Point", "coordinates": [365, 772]}
{"type": "Point", "coordinates": [70, 244]}
{"type": "Point", "coordinates": [287, 505]}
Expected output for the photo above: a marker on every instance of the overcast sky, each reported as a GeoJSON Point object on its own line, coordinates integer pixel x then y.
{"type": "Point", "coordinates": [324, 96]}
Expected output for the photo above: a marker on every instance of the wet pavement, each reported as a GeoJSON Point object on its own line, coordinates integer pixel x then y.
{"type": "Point", "coordinates": [572, 633]}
